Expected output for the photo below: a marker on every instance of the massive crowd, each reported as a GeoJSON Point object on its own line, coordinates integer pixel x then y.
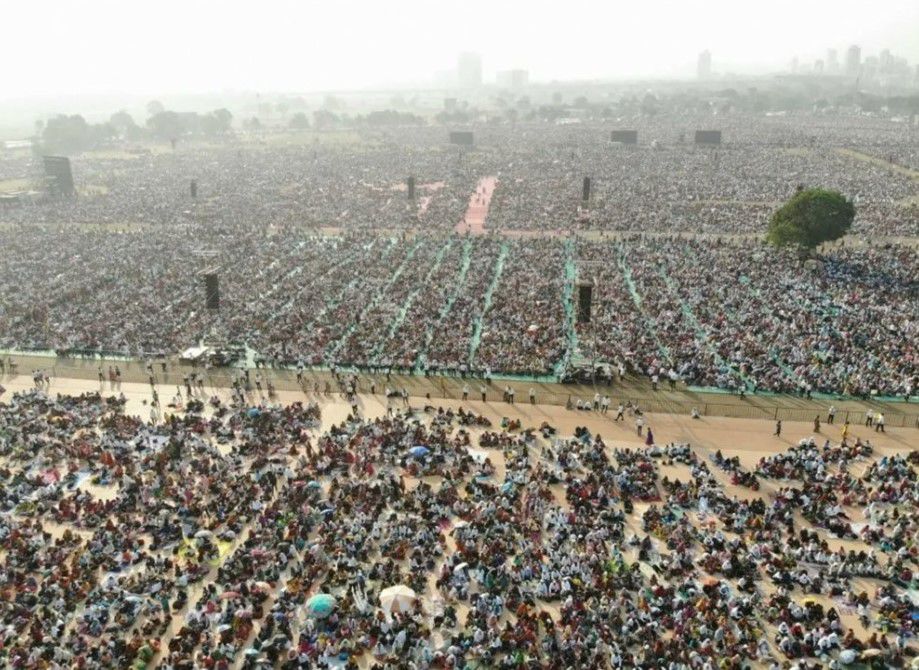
{"type": "Point", "coordinates": [754, 318]}
{"type": "Point", "coordinates": [323, 260]}
{"type": "Point", "coordinates": [749, 318]}
{"type": "Point", "coordinates": [243, 184]}
{"type": "Point", "coordinates": [664, 183]}
{"type": "Point", "coordinates": [242, 535]}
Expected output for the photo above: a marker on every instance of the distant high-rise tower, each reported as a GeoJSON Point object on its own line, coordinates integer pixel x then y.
{"type": "Point", "coordinates": [853, 60]}
{"type": "Point", "coordinates": [832, 61]}
{"type": "Point", "coordinates": [469, 70]}
{"type": "Point", "coordinates": [512, 78]}
{"type": "Point", "coordinates": [885, 61]}
{"type": "Point", "coordinates": [704, 65]}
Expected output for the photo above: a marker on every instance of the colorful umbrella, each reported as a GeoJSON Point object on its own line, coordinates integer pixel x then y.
{"type": "Point", "coordinates": [320, 605]}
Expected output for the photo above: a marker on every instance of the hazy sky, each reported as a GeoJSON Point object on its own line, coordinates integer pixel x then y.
{"type": "Point", "coordinates": [65, 47]}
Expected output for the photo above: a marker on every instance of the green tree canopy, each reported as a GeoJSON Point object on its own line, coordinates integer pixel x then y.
{"type": "Point", "coordinates": [72, 134]}
{"type": "Point", "coordinates": [299, 121]}
{"type": "Point", "coordinates": [167, 125]}
{"type": "Point", "coordinates": [812, 217]}
{"type": "Point", "coordinates": [124, 125]}
{"type": "Point", "coordinates": [224, 119]}
{"type": "Point", "coordinates": [323, 118]}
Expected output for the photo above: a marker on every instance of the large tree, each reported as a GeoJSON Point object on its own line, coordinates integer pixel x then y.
{"type": "Point", "coordinates": [71, 134]}
{"type": "Point", "coordinates": [299, 121]}
{"type": "Point", "coordinates": [224, 119]}
{"type": "Point", "coordinates": [167, 125]}
{"type": "Point", "coordinates": [812, 217]}
{"type": "Point", "coordinates": [124, 125]}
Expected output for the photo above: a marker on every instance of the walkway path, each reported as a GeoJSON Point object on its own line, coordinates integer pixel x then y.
{"type": "Point", "coordinates": [474, 220]}
{"type": "Point", "coordinates": [905, 170]}
{"type": "Point", "coordinates": [571, 273]}
{"type": "Point", "coordinates": [680, 402]}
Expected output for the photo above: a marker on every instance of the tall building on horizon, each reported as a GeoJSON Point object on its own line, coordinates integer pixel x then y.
{"type": "Point", "coordinates": [469, 70]}
{"type": "Point", "coordinates": [704, 65]}
{"type": "Point", "coordinates": [512, 78]}
{"type": "Point", "coordinates": [853, 60]}
{"type": "Point", "coordinates": [886, 61]}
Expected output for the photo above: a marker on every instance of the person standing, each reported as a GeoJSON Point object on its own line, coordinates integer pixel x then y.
{"type": "Point", "coordinates": [817, 424]}
{"type": "Point", "coordinates": [639, 425]}
{"type": "Point", "coordinates": [532, 396]}
{"type": "Point", "coordinates": [869, 418]}
{"type": "Point", "coordinates": [482, 390]}
{"type": "Point", "coordinates": [620, 413]}
{"type": "Point", "coordinates": [778, 428]}
{"type": "Point", "coordinates": [465, 391]}
{"type": "Point", "coordinates": [845, 431]}
{"type": "Point", "coordinates": [879, 423]}
{"type": "Point", "coordinates": [831, 415]}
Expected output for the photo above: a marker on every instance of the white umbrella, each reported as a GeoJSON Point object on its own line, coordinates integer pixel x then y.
{"type": "Point", "coordinates": [399, 598]}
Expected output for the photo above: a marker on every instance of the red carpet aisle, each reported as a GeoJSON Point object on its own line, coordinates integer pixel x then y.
{"type": "Point", "coordinates": [474, 220]}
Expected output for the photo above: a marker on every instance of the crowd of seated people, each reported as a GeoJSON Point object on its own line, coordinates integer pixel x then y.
{"type": "Point", "coordinates": [241, 534]}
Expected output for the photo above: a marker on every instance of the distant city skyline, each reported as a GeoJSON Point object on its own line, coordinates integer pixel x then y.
{"type": "Point", "coordinates": [704, 65]}
{"type": "Point", "coordinates": [59, 48]}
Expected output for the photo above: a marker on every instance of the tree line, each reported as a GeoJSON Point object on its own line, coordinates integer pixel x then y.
{"type": "Point", "coordinates": [69, 134]}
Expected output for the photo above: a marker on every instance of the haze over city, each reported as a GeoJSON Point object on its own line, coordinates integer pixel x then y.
{"type": "Point", "coordinates": [59, 48]}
